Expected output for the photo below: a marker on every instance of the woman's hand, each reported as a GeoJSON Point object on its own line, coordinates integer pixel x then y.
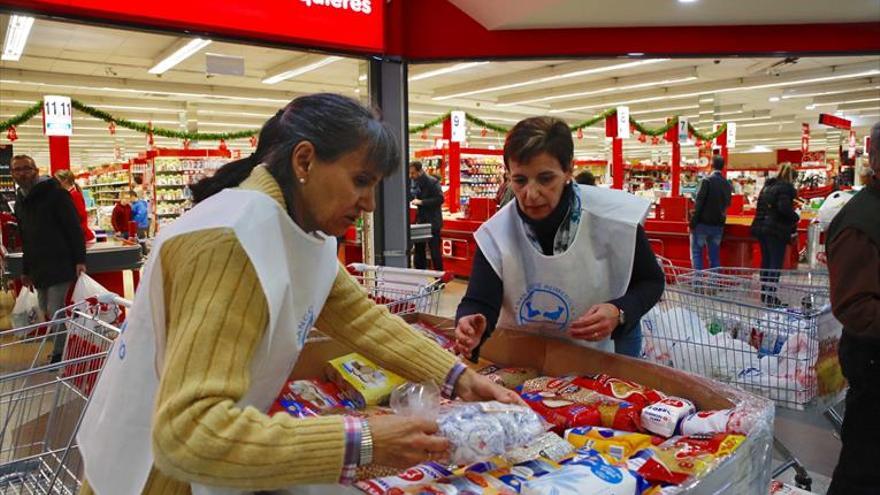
{"type": "Point", "coordinates": [596, 324]}
{"type": "Point", "coordinates": [402, 441]}
{"type": "Point", "coordinates": [468, 333]}
{"type": "Point", "coordinates": [474, 387]}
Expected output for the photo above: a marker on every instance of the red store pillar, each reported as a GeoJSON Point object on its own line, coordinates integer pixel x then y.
{"type": "Point", "coordinates": [59, 153]}
{"type": "Point", "coordinates": [616, 152]}
{"type": "Point", "coordinates": [675, 172]}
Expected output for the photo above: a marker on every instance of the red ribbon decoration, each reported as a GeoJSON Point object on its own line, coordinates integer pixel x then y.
{"type": "Point", "coordinates": [253, 141]}
{"type": "Point", "coordinates": [655, 140]}
{"type": "Point", "coordinates": [223, 146]}
{"type": "Point", "coordinates": [425, 134]}
{"type": "Point", "coordinates": [112, 128]}
{"type": "Point", "coordinates": [11, 134]}
{"type": "Point", "coordinates": [643, 138]}
{"type": "Point", "coordinates": [150, 140]}
{"type": "Point", "coordinates": [580, 134]}
{"type": "Point", "coordinates": [186, 144]}
{"type": "Point", "coordinates": [484, 133]}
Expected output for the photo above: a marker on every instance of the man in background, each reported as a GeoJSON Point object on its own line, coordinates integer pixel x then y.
{"type": "Point", "coordinates": [853, 246]}
{"type": "Point", "coordinates": [427, 196]}
{"type": "Point", "coordinates": [585, 178]}
{"type": "Point", "coordinates": [710, 216]}
{"type": "Point", "coordinates": [53, 247]}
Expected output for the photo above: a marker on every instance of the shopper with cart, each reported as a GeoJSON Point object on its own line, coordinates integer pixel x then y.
{"type": "Point", "coordinates": [563, 260]}
{"type": "Point", "coordinates": [710, 216]}
{"type": "Point", "coordinates": [774, 225]}
{"type": "Point", "coordinates": [427, 196]}
{"type": "Point", "coordinates": [224, 309]}
{"type": "Point", "coordinates": [853, 241]}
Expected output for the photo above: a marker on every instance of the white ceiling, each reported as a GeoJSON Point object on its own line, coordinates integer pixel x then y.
{"type": "Point", "coordinates": [107, 68]}
{"type": "Point", "coordinates": [531, 14]}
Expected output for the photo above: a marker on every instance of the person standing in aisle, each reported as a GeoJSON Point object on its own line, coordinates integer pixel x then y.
{"type": "Point", "coordinates": [53, 247]}
{"type": "Point", "coordinates": [562, 260]}
{"type": "Point", "coordinates": [427, 196]}
{"type": "Point", "coordinates": [121, 215]}
{"type": "Point", "coordinates": [223, 312]}
{"type": "Point", "coordinates": [585, 178]}
{"type": "Point", "coordinates": [710, 216]}
{"type": "Point", "coordinates": [853, 241]}
{"type": "Point", "coordinates": [140, 214]}
{"type": "Point", "coordinates": [774, 224]}
{"type": "Point", "coordinates": [68, 181]}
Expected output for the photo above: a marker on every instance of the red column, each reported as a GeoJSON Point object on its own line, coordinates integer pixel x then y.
{"type": "Point", "coordinates": [59, 153]}
{"type": "Point", "coordinates": [724, 155]}
{"type": "Point", "coordinates": [617, 163]}
{"type": "Point", "coordinates": [454, 177]}
{"type": "Point", "coordinates": [676, 168]}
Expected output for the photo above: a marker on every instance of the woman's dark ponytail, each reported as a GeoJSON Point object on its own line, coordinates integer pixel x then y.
{"type": "Point", "coordinates": [234, 173]}
{"type": "Point", "coordinates": [334, 124]}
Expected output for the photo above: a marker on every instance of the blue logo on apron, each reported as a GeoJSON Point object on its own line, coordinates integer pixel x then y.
{"type": "Point", "coordinates": [544, 306]}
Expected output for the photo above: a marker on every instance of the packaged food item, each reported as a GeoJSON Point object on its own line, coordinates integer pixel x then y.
{"type": "Point", "coordinates": [679, 458]}
{"type": "Point", "coordinates": [718, 445]}
{"type": "Point", "coordinates": [549, 445]}
{"type": "Point", "coordinates": [417, 475]}
{"type": "Point", "coordinates": [522, 472]}
{"type": "Point", "coordinates": [304, 398]}
{"type": "Point", "coordinates": [709, 422]}
{"type": "Point", "coordinates": [780, 488]}
{"type": "Point", "coordinates": [663, 490]}
{"type": "Point", "coordinates": [588, 476]}
{"type": "Point", "coordinates": [557, 399]}
{"type": "Point", "coordinates": [632, 392]}
{"type": "Point", "coordinates": [647, 464]}
{"type": "Point", "coordinates": [434, 334]}
{"type": "Point", "coordinates": [664, 418]}
{"type": "Point", "coordinates": [468, 483]}
{"type": "Point", "coordinates": [361, 381]}
{"type": "Point", "coordinates": [617, 445]}
{"type": "Point", "coordinates": [481, 430]}
{"type": "Point", "coordinates": [508, 377]}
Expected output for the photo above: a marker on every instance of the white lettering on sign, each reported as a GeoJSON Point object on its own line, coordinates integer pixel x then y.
{"type": "Point", "coordinates": [57, 116]}
{"type": "Point", "coordinates": [459, 127]}
{"type": "Point", "coordinates": [359, 6]}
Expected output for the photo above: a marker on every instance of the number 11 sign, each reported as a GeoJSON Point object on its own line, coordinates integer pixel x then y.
{"type": "Point", "coordinates": [57, 117]}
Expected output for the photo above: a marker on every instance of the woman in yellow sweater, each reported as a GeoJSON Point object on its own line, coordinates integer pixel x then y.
{"type": "Point", "coordinates": [222, 314]}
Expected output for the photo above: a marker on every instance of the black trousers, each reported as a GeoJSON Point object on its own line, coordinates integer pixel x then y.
{"type": "Point", "coordinates": [772, 260]}
{"type": "Point", "coordinates": [858, 469]}
{"type": "Point", "coordinates": [419, 259]}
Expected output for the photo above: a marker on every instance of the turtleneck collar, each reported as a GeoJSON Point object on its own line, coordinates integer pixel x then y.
{"type": "Point", "coordinates": [546, 228]}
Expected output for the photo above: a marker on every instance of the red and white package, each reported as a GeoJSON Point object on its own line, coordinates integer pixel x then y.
{"type": "Point", "coordinates": [708, 422]}
{"type": "Point", "coordinates": [434, 334]}
{"type": "Point", "coordinates": [416, 475]}
{"type": "Point", "coordinates": [664, 418]}
{"type": "Point", "coordinates": [567, 405]}
{"type": "Point", "coordinates": [304, 398]}
{"type": "Point", "coordinates": [632, 392]}
{"type": "Point", "coordinates": [780, 488]}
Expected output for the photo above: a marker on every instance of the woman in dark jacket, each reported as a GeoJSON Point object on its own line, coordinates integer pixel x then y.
{"type": "Point", "coordinates": [775, 222]}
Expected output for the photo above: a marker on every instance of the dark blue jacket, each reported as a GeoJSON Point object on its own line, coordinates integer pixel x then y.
{"type": "Point", "coordinates": [713, 199]}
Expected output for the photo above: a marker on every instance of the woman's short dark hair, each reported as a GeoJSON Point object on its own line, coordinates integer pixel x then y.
{"type": "Point", "coordinates": [535, 135]}
{"type": "Point", "coordinates": [334, 124]}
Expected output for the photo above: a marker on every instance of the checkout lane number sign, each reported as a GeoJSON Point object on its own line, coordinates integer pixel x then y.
{"type": "Point", "coordinates": [57, 116]}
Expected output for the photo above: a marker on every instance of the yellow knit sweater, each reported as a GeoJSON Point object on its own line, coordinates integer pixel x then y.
{"type": "Point", "coordinates": [216, 316]}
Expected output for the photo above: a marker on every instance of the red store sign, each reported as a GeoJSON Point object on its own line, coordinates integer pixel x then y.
{"type": "Point", "coordinates": [352, 25]}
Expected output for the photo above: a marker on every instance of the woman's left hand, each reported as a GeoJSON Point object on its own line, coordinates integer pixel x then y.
{"type": "Point", "coordinates": [473, 387]}
{"type": "Point", "coordinates": [597, 323]}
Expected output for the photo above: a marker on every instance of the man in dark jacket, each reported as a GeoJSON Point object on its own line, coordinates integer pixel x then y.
{"type": "Point", "coordinates": [853, 241]}
{"type": "Point", "coordinates": [710, 216]}
{"type": "Point", "coordinates": [53, 248]}
{"type": "Point", "coordinates": [427, 196]}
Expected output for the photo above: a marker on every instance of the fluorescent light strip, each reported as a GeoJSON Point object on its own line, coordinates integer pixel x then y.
{"type": "Point", "coordinates": [847, 102]}
{"type": "Point", "coordinates": [539, 80]}
{"type": "Point", "coordinates": [758, 124]}
{"type": "Point", "coordinates": [446, 70]}
{"type": "Point", "coordinates": [668, 109]}
{"type": "Point", "coordinates": [17, 33]}
{"type": "Point", "coordinates": [827, 93]}
{"type": "Point", "coordinates": [600, 91]}
{"type": "Point", "coordinates": [722, 90]}
{"type": "Point", "coordinates": [179, 55]}
{"type": "Point", "coordinates": [290, 74]}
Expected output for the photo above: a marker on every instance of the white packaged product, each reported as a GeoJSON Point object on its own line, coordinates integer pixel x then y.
{"type": "Point", "coordinates": [664, 418]}
{"type": "Point", "coordinates": [579, 479]}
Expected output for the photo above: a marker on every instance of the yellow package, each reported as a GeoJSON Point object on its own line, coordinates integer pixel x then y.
{"type": "Point", "coordinates": [362, 381]}
{"type": "Point", "coordinates": [618, 446]}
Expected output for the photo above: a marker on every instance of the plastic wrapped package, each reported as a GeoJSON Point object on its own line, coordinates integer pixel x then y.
{"type": "Point", "coordinates": [614, 445]}
{"type": "Point", "coordinates": [587, 474]}
{"type": "Point", "coordinates": [549, 445]}
{"type": "Point", "coordinates": [417, 475]}
{"type": "Point", "coordinates": [566, 404]}
{"type": "Point", "coordinates": [508, 377]}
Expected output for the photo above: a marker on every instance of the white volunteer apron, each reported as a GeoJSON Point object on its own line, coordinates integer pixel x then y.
{"type": "Point", "coordinates": [296, 272]}
{"type": "Point", "coordinates": [545, 294]}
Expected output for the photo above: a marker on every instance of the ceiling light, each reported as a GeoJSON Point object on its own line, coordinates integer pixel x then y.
{"type": "Point", "coordinates": [599, 91]}
{"type": "Point", "coordinates": [362, 77]}
{"type": "Point", "coordinates": [810, 107]}
{"type": "Point", "coordinates": [825, 93]}
{"type": "Point", "coordinates": [758, 124]}
{"type": "Point", "coordinates": [16, 37]}
{"type": "Point", "coordinates": [179, 55]}
{"type": "Point", "coordinates": [289, 74]}
{"type": "Point", "coordinates": [577, 73]}
{"type": "Point", "coordinates": [773, 99]}
{"type": "Point", "coordinates": [446, 70]}
{"type": "Point", "coordinates": [687, 1]}
{"type": "Point", "coordinates": [635, 54]}
{"type": "Point", "coordinates": [861, 100]}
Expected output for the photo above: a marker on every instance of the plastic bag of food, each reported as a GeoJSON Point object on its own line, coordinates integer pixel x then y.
{"type": "Point", "coordinates": [616, 445]}
{"type": "Point", "coordinates": [567, 405]}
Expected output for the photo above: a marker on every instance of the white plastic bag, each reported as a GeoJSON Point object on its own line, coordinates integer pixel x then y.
{"type": "Point", "coordinates": [97, 301]}
{"type": "Point", "coordinates": [27, 309]}
{"type": "Point", "coordinates": [832, 206]}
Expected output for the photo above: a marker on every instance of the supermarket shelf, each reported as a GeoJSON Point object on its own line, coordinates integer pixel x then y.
{"type": "Point", "coordinates": [171, 185]}
{"type": "Point", "coordinates": [176, 200]}
{"type": "Point", "coordinates": [109, 184]}
{"type": "Point", "coordinates": [168, 215]}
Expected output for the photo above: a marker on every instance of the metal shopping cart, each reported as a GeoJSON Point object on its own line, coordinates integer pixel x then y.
{"type": "Point", "coordinates": [42, 403]}
{"type": "Point", "coordinates": [403, 290]}
{"type": "Point", "coordinates": [770, 332]}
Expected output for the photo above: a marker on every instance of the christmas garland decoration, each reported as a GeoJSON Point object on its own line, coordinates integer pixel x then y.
{"type": "Point", "coordinates": [23, 117]}
{"type": "Point", "coordinates": [148, 129]}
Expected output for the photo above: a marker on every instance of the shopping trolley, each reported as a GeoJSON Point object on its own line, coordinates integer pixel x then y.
{"type": "Point", "coordinates": [767, 331]}
{"type": "Point", "coordinates": [42, 402]}
{"type": "Point", "coordinates": [402, 290]}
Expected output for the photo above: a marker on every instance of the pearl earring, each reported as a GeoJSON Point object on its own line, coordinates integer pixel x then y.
{"type": "Point", "coordinates": [302, 180]}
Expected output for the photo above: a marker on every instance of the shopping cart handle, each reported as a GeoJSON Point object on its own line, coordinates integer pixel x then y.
{"type": "Point", "coordinates": [111, 298]}
{"type": "Point", "coordinates": [363, 267]}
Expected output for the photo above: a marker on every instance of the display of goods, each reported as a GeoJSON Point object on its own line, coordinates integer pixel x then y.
{"type": "Point", "coordinates": [508, 377]}
{"type": "Point", "coordinates": [304, 398]}
{"type": "Point", "coordinates": [680, 458]}
{"type": "Point", "coordinates": [709, 422]}
{"type": "Point", "coordinates": [632, 392]}
{"type": "Point", "coordinates": [417, 475]}
{"type": "Point", "coordinates": [481, 430]}
{"type": "Point", "coordinates": [664, 418]}
{"type": "Point", "coordinates": [434, 334]}
{"type": "Point", "coordinates": [616, 445]}
{"type": "Point", "coordinates": [549, 445]}
{"type": "Point", "coordinates": [567, 405]}
{"type": "Point", "coordinates": [587, 475]}
{"type": "Point", "coordinates": [361, 381]}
